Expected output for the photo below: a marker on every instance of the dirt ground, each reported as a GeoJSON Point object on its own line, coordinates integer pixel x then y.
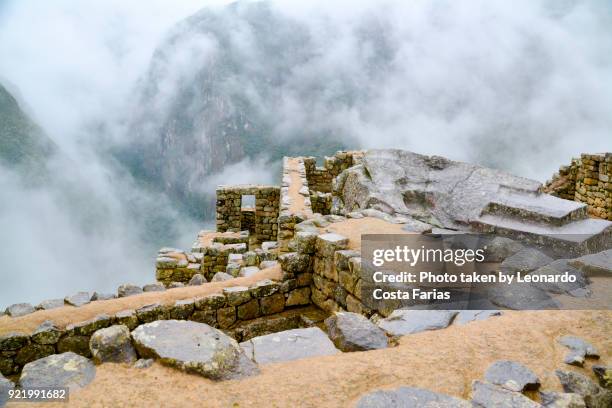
{"type": "Point", "coordinates": [69, 314]}
{"type": "Point", "coordinates": [443, 361]}
{"type": "Point", "coordinates": [354, 228]}
{"type": "Point", "coordinates": [297, 200]}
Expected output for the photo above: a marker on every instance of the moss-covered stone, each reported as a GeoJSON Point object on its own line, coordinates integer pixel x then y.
{"type": "Point", "coordinates": [226, 316]}
{"type": "Point", "coordinates": [13, 341]}
{"type": "Point", "coordinates": [76, 344]}
{"type": "Point", "coordinates": [248, 310]}
{"type": "Point", "coordinates": [237, 295]}
{"type": "Point", "coordinates": [214, 301]}
{"type": "Point", "coordinates": [182, 309]}
{"type": "Point", "coordinates": [33, 352]}
{"type": "Point", "coordinates": [46, 333]}
{"type": "Point", "coordinates": [127, 318]}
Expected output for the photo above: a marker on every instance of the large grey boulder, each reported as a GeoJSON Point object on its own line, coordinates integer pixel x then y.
{"type": "Point", "coordinates": [462, 196]}
{"type": "Point", "coordinates": [128, 289]}
{"type": "Point", "coordinates": [78, 299]}
{"type": "Point", "coordinates": [58, 370]}
{"type": "Point", "coordinates": [112, 345]}
{"type": "Point", "coordinates": [524, 261]}
{"type": "Point", "coordinates": [353, 332]}
{"type": "Point", "coordinates": [50, 304]}
{"type": "Point", "coordinates": [247, 271]}
{"type": "Point", "coordinates": [560, 267]}
{"type": "Point", "coordinates": [409, 397]}
{"type": "Point", "coordinates": [193, 347]}
{"type": "Point", "coordinates": [19, 309]}
{"type": "Point", "coordinates": [221, 277]}
{"type": "Point", "coordinates": [402, 321]}
{"type": "Point", "coordinates": [289, 345]}
{"type": "Point", "coordinates": [197, 280]}
{"type": "Point", "coordinates": [102, 296]}
{"type": "Point", "coordinates": [520, 296]}
{"type": "Point", "coordinates": [499, 248]}
{"type": "Point", "coordinates": [487, 395]}
{"type": "Point", "coordinates": [579, 349]}
{"type": "Point", "coordinates": [5, 386]}
{"type": "Point", "coordinates": [594, 395]}
{"type": "Point", "coordinates": [511, 375]}
{"type": "Point", "coordinates": [153, 287]}
{"type": "Point", "coordinates": [598, 264]}
{"type": "Point", "coordinates": [561, 400]}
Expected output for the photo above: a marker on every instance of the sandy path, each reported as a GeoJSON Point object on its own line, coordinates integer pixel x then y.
{"type": "Point", "coordinates": [69, 314]}
{"type": "Point", "coordinates": [443, 361]}
{"type": "Point", "coordinates": [354, 228]}
{"type": "Point", "coordinates": [297, 200]}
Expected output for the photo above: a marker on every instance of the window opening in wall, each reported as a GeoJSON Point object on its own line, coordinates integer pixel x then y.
{"type": "Point", "coordinates": [247, 202]}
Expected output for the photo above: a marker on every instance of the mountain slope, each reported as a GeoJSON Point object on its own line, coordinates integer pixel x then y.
{"type": "Point", "coordinates": [23, 145]}
{"type": "Point", "coordinates": [225, 85]}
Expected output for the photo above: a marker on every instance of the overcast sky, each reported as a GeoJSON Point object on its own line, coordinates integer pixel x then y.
{"type": "Point", "coordinates": [519, 85]}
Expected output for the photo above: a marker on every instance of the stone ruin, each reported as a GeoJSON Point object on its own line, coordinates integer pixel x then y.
{"type": "Point", "coordinates": [588, 180]}
{"type": "Point", "coordinates": [319, 272]}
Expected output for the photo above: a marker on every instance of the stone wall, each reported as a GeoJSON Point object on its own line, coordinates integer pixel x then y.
{"type": "Point", "coordinates": [587, 180]}
{"type": "Point", "coordinates": [320, 179]}
{"type": "Point", "coordinates": [229, 209]}
{"type": "Point", "coordinates": [237, 310]}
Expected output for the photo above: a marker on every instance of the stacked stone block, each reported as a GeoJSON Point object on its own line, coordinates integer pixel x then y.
{"type": "Point", "coordinates": [233, 311]}
{"type": "Point", "coordinates": [229, 210]}
{"type": "Point", "coordinates": [587, 180]}
{"type": "Point", "coordinates": [174, 265]}
{"type": "Point", "coordinates": [320, 179]}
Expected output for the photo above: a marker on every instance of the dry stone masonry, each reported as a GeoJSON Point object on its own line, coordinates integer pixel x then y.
{"type": "Point", "coordinates": [232, 217]}
{"type": "Point", "coordinates": [587, 179]}
{"type": "Point", "coordinates": [321, 272]}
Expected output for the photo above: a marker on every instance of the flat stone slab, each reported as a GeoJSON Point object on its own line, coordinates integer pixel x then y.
{"type": "Point", "coordinates": [19, 309]}
{"type": "Point", "coordinates": [512, 376]}
{"type": "Point", "coordinates": [599, 264]}
{"type": "Point", "coordinates": [50, 304]}
{"type": "Point", "coordinates": [500, 248]}
{"type": "Point", "coordinates": [192, 347]}
{"type": "Point", "coordinates": [221, 277]}
{"type": "Point", "coordinates": [102, 296]}
{"type": "Point", "coordinates": [408, 397]}
{"type": "Point", "coordinates": [525, 260]}
{"type": "Point", "coordinates": [467, 316]}
{"type": "Point", "coordinates": [354, 332]}
{"type": "Point", "coordinates": [489, 395]}
{"type": "Point", "coordinates": [128, 290]}
{"type": "Point", "coordinates": [579, 349]}
{"type": "Point", "coordinates": [402, 321]}
{"type": "Point", "coordinates": [521, 296]}
{"type": "Point", "coordinates": [58, 370]}
{"type": "Point", "coordinates": [78, 299]}
{"type": "Point", "coordinates": [289, 345]}
{"type": "Point", "coordinates": [153, 287]}
{"type": "Point", "coordinates": [559, 267]}
{"type": "Point", "coordinates": [248, 271]}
